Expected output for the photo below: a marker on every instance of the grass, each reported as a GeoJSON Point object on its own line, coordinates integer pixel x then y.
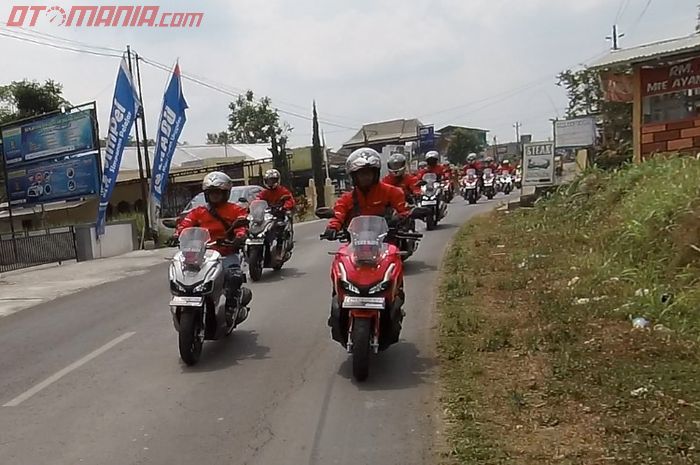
{"type": "Point", "coordinates": [540, 363]}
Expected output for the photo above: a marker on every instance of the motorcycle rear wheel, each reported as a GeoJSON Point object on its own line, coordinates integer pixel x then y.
{"type": "Point", "coordinates": [189, 340]}
{"type": "Point", "coordinates": [361, 332]}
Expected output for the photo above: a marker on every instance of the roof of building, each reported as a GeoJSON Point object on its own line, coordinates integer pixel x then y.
{"type": "Point", "coordinates": [453, 127]}
{"type": "Point", "coordinates": [190, 156]}
{"type": "Point", "coordinates": [398, 129]}
{"type": "Point", "coordinates": [651, 51]}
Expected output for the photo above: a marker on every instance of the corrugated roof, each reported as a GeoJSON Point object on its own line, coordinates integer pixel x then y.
{"type": "Point", "coordinates": [399, 129]}
{"type": "Point", "coordinates": [196, 155]}
{"type": "Point", "coordinates": [650, 51]}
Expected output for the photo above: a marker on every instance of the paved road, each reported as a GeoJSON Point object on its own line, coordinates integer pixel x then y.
{"type": "Point", "coordinates": [111, 388]}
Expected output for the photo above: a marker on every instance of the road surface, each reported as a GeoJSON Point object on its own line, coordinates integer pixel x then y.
{"type": "Point", "coordinates": [95, 377]}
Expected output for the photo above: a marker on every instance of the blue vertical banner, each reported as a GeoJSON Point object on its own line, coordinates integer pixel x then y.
{"type": "Point", "coordinates": [172, 120]}
{"type": "Point", "coordinates": [125, 107]}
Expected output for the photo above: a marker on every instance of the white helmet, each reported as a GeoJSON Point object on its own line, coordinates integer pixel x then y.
{"type": "Point", "coordinates": [271, 179]}
{"type": "Point", "coordinates": [217, 180]}
{"type": "Point", "coordinates": [471, 157]}
{"type": "Point", "coordinates": [432, 154]}
{"type": "Point", "coordinates": [363, 158]}
{"type": "Point", "coordinates": [397, 164]}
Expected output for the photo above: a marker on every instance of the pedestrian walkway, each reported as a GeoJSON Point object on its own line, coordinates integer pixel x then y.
{"type": "Point", "coordinates": [32, 286]}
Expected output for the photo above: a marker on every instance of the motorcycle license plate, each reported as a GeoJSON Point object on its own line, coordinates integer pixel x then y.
{"type": "Point", "coordinates": [178, 301]}
{"type": "Point", "coordinates": [255, 241]}
{"type": "Point", "coordinates": [371, 303]}
{"type": "Point", "coordinates": [429, 202]}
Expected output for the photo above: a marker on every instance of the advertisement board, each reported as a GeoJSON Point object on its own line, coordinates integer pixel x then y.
{"type": "Point", "coordinates": [678, 77]}
{"type": "Point", "coordinates": [54, 180]}
{"type": "Point", "coordinates": [572, 133]}
{"type": "Point", "coordinates": [426, 138]}
{"type": "Point", "coordinates": [538, 164]}
{"type": "Point", "coordinates": [57, 134]}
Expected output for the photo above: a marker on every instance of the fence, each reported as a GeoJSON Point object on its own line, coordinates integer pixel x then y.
{"type": "Point", "coordinates": [34, 248]}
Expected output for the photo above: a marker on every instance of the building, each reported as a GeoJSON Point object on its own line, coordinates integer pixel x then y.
{"type": "Point", "coordinates": [378, 135]}
{"type": "Point", "coordinates": [444, 135]}
{"type": "Point", "coordinates": [662, 80]}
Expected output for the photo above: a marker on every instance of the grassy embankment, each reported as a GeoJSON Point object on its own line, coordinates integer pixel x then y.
{"type": "Point", "coordinates": [540, 361]}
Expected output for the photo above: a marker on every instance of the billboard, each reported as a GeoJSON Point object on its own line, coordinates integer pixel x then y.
{"type": "Point", "coordinates": [573, 133]}
{"type": "Point", "coordinates": [52, 135]}
{"type": "Point", "coordinates": [426, 138]}
{"type": "Point", "coordinates": [678, 77]}
{"type": "Point", "coordinates": [538, 164]}
{"type": "Point", "coordinates": [54, 180]}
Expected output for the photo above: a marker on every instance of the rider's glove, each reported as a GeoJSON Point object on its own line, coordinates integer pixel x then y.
{"type": "Point", "coordinates": [330, 234]}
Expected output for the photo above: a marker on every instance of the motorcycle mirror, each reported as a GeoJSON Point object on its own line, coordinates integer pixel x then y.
{"type": "Point", "coordinates": [243, 200]}
{"type": "Point", "coordinates": [325, 213]}
{"type": "Point", "coordinates": [240, 222]}
{"type": "Point", "coordinates": [284, 198]}
{"type": "Point", "coordinates": [421, 183]}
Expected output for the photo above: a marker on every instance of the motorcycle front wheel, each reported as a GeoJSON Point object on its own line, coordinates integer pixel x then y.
{"type": "Point", "coordinates": [361, 331]}
{"type": "Point", "coordinates": [255, 263]}
{"type": "Point", "coordinates": [189, 338]}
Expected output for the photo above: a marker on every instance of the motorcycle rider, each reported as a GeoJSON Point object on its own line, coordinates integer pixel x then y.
{"type": "Point", "coordinates": [273, 194]}
{"type": "Point", "coordinates": [398, 177]}
{"type": "Point", "coordinates": [473, 164]}
{"type": "Point", "coordinates": [369, 196]}
{"type": "Point", "coordinates": [217, 216]}
{"type": "Point", "coordinates": [490, 164]}
{"type": "Point", "coordinates": [506, 167]}
{"type": "Point", "coordinates": [422, 165]}
{"type": "Point", "coordinates": [432, 158]}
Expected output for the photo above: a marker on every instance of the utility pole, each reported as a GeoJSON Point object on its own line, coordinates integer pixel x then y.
{"type": "Point", "coordinates": [517, 127]}
{"type": "Point", "coordinates": [615, 38]}
{"type": "Point", "coordinates": [325, 154]}
{"type": "Point", "coordinates": [142, 178]}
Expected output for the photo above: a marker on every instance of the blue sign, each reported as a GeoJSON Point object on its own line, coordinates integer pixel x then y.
{"type": "Point", "coordinates": [426, 138]}
{"type": "Point", "coordinates": [54, 180]}
{"type": "Point", "coordinates": [172, 120]}
{"type": "Point", "coordinates": [50, 136]}
{"type": "Point", "coordinates": [125, 106]}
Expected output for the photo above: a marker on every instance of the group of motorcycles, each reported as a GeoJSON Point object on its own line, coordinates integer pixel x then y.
{"type": "Point", "coordinates": [367, 270]}
{"type": "Point", "coordinates": [473, 186]}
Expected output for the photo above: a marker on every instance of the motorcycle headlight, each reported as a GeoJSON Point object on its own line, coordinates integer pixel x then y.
{"type": "Point", "coordinates": [349, 287]}
{"type": "Point", "coordinates": [204, 288]}
{"type": "Point", "coordinates": [385, 284]}
{"type": "Point", "coordinates": [176, 288]}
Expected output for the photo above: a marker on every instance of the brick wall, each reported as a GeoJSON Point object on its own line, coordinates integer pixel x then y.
{"type": "Point", "coordinates": [680, 136]}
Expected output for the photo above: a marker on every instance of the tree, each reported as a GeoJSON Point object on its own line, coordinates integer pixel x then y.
{"type": "Point", "coordinates": [462, 143]}
{"type": "Point", "coordinates": [586, 98]}
{"type": "Point", "coordinates": [219, 138]}
{"type": "Point", "coordinates": [251, 121]}
{"type": "Point", "coordinates": [317, 161]}
{"type": "Point", "coordinates": [22, 99]}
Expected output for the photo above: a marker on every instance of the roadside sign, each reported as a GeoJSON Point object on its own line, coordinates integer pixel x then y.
{"type": "Point", "coordinates": [426, 138]}
{"type": "Point", "coordinates": [575, 133]}
{"type": "Point", "coordinates": [538, 164]}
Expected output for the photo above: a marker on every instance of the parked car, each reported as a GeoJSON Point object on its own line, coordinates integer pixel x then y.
{"type": "Point", "coordinates": [241, 195]}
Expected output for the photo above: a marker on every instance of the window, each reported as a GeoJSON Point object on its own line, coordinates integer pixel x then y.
{"type": "Point", "coordinates": [672, 107]}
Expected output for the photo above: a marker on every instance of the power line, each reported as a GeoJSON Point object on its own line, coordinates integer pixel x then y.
{"type": "Point", "coordinates": [641, 16]}
{"type": "Point", "coordinates": [621, 10]}
{"type": "Point", "coordinates": [230, 93]}
{"type": "Point", "coordinates": [43, 35]}
{"type": "Point", "coordinates": [60, 47]}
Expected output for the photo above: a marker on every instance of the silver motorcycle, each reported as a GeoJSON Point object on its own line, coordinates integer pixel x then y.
{"type": "Point", "coordinates": [269, 239]}
{"type": "Point", "coordinates": [199, 306]}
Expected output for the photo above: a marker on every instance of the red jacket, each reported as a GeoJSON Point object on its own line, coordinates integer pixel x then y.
{"type": "Point", "coordinates": [477, 165]}
{"type": "Point", "coordinates": [200, 217]}
{"type": "Point", "coordinates": [407, 182]}
{"type": "Point", "coordinates": [492, 167]}
{"type": "Point", "coordinates": [437, 169]}
{"type": "Point", "coordinates": [506, 169]}
{"type": "Point", "coordinates": [375, 202]}
{"type": "Point", "coordinates": [273, 197]}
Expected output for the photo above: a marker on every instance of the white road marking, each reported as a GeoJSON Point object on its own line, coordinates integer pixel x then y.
{"type": "Point", "coordinates": [72, 367]}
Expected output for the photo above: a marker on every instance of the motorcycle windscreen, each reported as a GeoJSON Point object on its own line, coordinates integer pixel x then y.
{"type": "Point", "coordinates": [257, 211]}
{"type": "Point", "coordinates": [367, 235]}
{"type": "Point", "coordinates": [193, 245]}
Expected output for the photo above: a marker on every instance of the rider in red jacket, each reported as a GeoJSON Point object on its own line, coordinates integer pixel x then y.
{"type": "Point", "coordinates": [398, 177]}
{"type": "Point", "coordinates": [506, 167]}
{"type": "Point", "coordinates": [473, 164]}
{"type": "Point", "coordinates": [273, 194]}
{"type": "Point", "coordinates": [434, 166]}
{"type": "Point", "coordinates": [217, 216]}
{"type": "Point", "coordinates": [369, 196]}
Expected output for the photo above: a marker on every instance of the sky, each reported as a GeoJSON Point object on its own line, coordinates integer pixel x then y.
{"type": "Point", "coordinates": [476, 63]}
